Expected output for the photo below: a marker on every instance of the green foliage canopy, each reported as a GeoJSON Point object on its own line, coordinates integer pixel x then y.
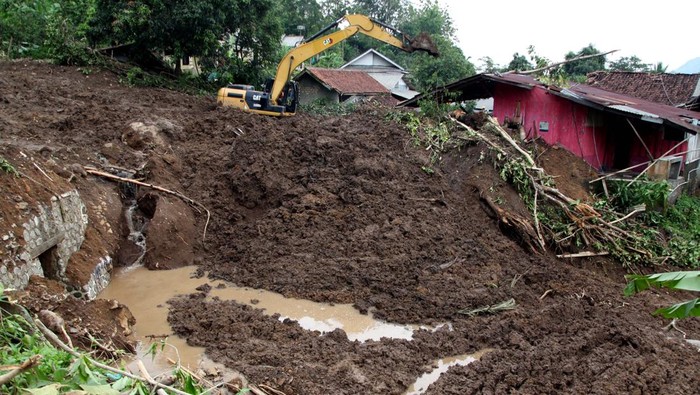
{"type": "Point", "coordinates": [173, 27]}
{"type": "Point", "coordinates": [580, 68]}
{"type": "Point", "coordinates": [309, 14]}
{"type": "Point", "coordinates": [628, 63]}
{"type": "Point", "coordinates": [519, 63]}
{"type": "Point", "coordinates": [242, 35]}
{"type": "Point", "coordinates": [428, 73]}
{"type": "Point", "coordinates": [387, 11]}
{"type": "Point", "coordinates": [44, 29]}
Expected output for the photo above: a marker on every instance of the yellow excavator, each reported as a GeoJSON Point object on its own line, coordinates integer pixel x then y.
{"type": "Point", "coordinates": [281, 95]}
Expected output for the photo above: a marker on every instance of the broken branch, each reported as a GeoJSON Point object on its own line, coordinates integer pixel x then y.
{"type": "Point", "coordinates": [618, 172]}
{"type": "Point", "coordinates": [479, 135]}
{"type": "Point", "coordinates": [53, 339]}
{"type": "Point", "coordinates": [26, 365]}
{"type": "Point", "coordinates": [94, 171]}
{"type": "Point", "coordinates": [512, 142]}
{"type": "Point", "coordinates": [583, 254]}
{"type": "Point", "coordinates": [42, 171]}
{"type": "Point", "coordinates": [657, 160]}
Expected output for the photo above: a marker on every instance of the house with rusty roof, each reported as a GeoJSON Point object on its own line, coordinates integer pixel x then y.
{"type": "Point", "coordinates": [610, 131]}
{"type": "Point", "coordinates": [677, 90]}
{"type": "Point", "coordinates": [339, 86]}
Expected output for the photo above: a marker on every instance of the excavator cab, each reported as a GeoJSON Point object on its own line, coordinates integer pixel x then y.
{"type": "Point", "coordinates": [290, 97]}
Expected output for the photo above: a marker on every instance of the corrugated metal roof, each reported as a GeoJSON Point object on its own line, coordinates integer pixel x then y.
{"type": "Point", "coordinates": [346, 82]}
{"type": "Point", "coordinates": [479, 86]}
{"type": "Point", "coordinates": [482, 86]}
{"type": "Point", "coordinates": [622, 107]}
{"type": "Point", "coordinates": [644, 109]}
{"type": "Point", "coordinates": [404, 94]}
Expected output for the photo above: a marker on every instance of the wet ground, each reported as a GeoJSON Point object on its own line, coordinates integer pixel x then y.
{"type": "Point", "coordinates": [146, 293]}
{"type": "Point", "coordinates": [337, 210]}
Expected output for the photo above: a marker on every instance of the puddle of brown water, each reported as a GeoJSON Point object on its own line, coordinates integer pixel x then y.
{"type": "Point", "coordinates": [315, 316]}
{"type": "Point", "coordinates": [146, 293]}
{"type": "Point", "coordinates": [442, 365]}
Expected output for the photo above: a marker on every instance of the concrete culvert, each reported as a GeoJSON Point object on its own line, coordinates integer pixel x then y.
{"type": "Point", "coordinates": [49, 263]}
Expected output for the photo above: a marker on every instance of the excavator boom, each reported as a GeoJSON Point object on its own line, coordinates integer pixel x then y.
{"type": "Point", "coordinates": [282, 97]}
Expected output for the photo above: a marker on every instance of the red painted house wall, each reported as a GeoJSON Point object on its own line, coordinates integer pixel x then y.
{"type": "Point", "coordinates": [605, 141]}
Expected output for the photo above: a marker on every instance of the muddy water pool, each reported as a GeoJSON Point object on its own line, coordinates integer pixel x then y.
{"type": "Point", "coordinates": [146, 293]}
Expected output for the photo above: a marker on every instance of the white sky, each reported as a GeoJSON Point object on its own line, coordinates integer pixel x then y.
{"type": "Point", "coordinates": [655, 31]}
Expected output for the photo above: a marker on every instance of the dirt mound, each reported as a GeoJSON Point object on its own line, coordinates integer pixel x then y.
{"type": "Point", "coordinates": [338, 209]}
{"type": "Point", "coordinates": [86, 322]}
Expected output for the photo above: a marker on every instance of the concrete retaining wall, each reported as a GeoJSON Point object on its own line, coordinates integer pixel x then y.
{"type": "Point", "coordinates": [100, 278]}
{"type": "Point", "coordinates": [50, 238]}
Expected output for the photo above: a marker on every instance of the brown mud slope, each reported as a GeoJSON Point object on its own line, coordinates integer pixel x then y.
{"type": "Point", "coordinates": [337, 209]}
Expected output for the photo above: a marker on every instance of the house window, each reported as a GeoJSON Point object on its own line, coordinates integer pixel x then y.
{"type": "Point", "coordinates": [544, 126]}
{"type": "Point", "coordinates": [186, 61]}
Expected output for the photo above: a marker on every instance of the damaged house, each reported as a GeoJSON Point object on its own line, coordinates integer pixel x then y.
{"type": "Point", "coordinates": [610, 131]}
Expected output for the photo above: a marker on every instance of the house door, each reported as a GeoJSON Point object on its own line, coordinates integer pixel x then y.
{"type": "Point", "coordinates": [623, 145]}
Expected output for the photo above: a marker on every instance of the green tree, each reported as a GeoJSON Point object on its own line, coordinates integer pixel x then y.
{"type": "Point", "coordinates": [519, 63]}
{"type": "Point", "coordinates": [332, 10]}
{"type": "Point", "coordinates": [174, 27]}
{"type": "Point", "coordinates": [488, 65]}
{"type": "Point", "coordinates": [578, 69]}
{"type": "Point", "coordinates": [44, 29]}
{"type": "Point", "coordinates": [331, 59]}
{"type": "Point", "coordinates": [253, 30]}
{"type": "Point", "coordinates": [659, 67]}
{"type": "Point", "coordinates": [537, 60]}
{"type": "Point", "coordinates": [250, 32]}
{"type": "Point", "coordinates": [427, 72]}
{"type": "Point", "coordinates": [429, 18]}
{"type": "Point", "coordinates": [387, 11]}
{"type": "Point", "coordinates": [628, 63]}
{"type": "Point", "coordinates": [306, 13]}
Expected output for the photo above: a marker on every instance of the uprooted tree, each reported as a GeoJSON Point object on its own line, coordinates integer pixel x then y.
{"type": "Point", "coordinates": [625, 224]}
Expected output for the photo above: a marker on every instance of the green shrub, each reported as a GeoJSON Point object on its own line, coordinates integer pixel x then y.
{"type": "Point", "coordinates": [653, 194]}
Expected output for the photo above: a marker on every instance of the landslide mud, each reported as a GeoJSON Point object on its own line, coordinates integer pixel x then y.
{"type": "Point", "coordinates": [337, 209]}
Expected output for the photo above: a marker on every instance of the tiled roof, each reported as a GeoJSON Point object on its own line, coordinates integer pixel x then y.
{"type": "Point", "coordinates": [346, 82]}
{"type": "Point", "coordinates": [669, 89]}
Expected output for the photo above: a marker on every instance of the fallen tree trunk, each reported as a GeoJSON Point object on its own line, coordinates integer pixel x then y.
{"type": "Point", "coordinates": [584, 221]}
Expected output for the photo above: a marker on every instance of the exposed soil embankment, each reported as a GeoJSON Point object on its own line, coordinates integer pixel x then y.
{"type": "Point", "coordinates": [337, 209]}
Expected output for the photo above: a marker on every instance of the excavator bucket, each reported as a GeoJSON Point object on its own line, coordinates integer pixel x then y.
{"type": "Point", "coordinates": [423, 42]}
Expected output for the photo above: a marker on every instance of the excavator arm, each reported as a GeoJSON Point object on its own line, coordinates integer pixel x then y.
{"type": "Point", "coordinates": [269, 102]}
